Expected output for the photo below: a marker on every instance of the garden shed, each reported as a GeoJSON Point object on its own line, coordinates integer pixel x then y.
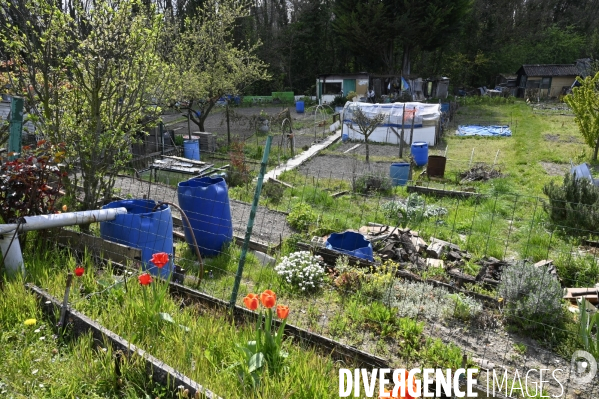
{"type": "Point", "coordinates": [545, 80]}
{"type": "Point", "coordinates": [330, 86]}
{"type": "Point", "coordinates": [425, 118]}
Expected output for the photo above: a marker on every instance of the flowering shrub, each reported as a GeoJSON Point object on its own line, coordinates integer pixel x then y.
{"type": "Point", "coordinates": [301, 270]}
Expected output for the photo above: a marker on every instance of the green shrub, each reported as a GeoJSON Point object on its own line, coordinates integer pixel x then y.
{"type": "Point", "coordinates": [274, 192]}
{"type": "Point", "coordinates": [338, 102]}
{"type": "Point", "coordinates": [377, 182]}
{"type": "Point", "coordinates": [531, 295]}
{"type": "Point", "coordinates": [577, 271]}
{"type": "Point", "coordinates": [301, 217]}
{"type": "Point", "coordinates": [575, 204]}
{"type": "Point", "coordinates": [464, 307]}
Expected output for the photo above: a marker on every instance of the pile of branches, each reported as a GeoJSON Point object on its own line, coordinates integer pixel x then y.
{"type": "Point", "coordinates": [480, 172]}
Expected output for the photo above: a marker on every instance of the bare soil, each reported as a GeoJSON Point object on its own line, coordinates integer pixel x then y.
{"type": "Point", "coordinates": [341, 167]}
{"type": "Point", "coordinates": [555, 169]}
{"type": "Point", "coordinates": [556, 138]}
{"type": "Point", "coordinates": [269, 226]}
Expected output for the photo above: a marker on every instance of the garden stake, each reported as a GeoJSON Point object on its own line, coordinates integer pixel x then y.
{"type": "Point", "coordinates": [250, 226]}
{"type": "Point", "coordinates": [65, 301]}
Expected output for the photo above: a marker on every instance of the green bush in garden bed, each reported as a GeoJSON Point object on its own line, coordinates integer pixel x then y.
{"type": "Point", "coordinates": [35, 363]}
{"type": "Point", "coordinates": [200, 344]}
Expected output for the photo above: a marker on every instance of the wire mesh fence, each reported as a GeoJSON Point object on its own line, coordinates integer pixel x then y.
{"type": "Point", "coordinates": [450, 267]}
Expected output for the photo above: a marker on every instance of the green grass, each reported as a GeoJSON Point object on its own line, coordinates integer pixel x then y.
{"type": "Point", "coordinates": [37, 364]}
{"type": "Point", "coordinates": [199, 343]}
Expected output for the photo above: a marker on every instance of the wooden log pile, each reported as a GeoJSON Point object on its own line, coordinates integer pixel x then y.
{"type": "Point", "coordinates": [406, 247]}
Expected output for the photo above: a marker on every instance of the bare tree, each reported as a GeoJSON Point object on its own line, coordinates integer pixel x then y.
{"type": "Point", "coordinates": [365, 124]}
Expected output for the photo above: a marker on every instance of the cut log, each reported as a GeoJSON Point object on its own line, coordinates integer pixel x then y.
{"type": "Point", "coordinates": [435, 250]}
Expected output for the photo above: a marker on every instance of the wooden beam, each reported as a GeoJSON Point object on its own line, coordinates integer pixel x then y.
{"type": "Point", "coordinates": [181, 159]}
{"type": "Point", "coordinates": [442, 193]}
{"type": "Point", "coordinates": [255, 245]}
{"type": "Point", "coordinates": [98, 246]}
{"type": "Point", "coordinates": [81, 324]}
{"type": "Point", "coordinates": [282, 183]}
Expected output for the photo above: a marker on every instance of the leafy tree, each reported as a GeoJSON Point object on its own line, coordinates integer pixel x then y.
{"type": "Point", "coordinates": [210, 65]}
{"type": "Point", "coordinates": [90, 77]}
{"type": "Point", "coordinates": [584, 102]}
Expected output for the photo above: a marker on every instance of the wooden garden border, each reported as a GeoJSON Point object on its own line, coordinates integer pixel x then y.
{"type": "Point", "coordinates": [161, 372]}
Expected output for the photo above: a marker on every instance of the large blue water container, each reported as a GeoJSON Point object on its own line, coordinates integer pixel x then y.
{"type": "Point", "coordinates": [142, 228]}
{"type": "Point", "coordinates": [299, 107]}
{"type": "Point", "coordinates": [191, 149]}
{"type": "Point", "coordinates": [399, 173]}
{"type": "Point", "coordinates": [205, 201]}
{"type": "Point", "coordinates": [351, 243]}
{"type": "Point", "coordinates": [420, 152]}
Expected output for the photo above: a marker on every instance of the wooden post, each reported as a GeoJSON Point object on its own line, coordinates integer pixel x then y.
{"type": "Point", "coordinates": [403, 116]}
{"type": "Point", "coordinates": [189, 121]}
{"type": "Point", "coordinates": [412, 128]}
{"type": "Point", "coordinates": [228, 128]}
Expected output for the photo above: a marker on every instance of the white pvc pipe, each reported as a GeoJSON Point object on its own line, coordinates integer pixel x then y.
{"type": "Point", "coordinates": [13, 258]}
{"type": "Point", "coordinates": [63, 219]}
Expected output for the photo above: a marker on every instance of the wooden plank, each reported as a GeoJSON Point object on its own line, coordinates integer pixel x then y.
{"type": "Point", "coordinates": [282, 183]}
{"type": "Point", "coordinates": [254, 245]}
{"type": "Point", "coordinates": [353, 148]}
{"type": "Point", "coordinates": [181, 159]}
{"type": "Point", "coordinates": [97, 245]}
{"type": "Point", "coordinates": [442, 193]}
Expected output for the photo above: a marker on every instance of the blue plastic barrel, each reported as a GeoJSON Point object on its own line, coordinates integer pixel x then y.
{"type": "Point", "coordinates": [152, 232]}
{"type": "Point", "coordinates": [191, 149]}
{"type": "Point", "coordinates": [399, 173]}
{"type": "Point", "coordinates": [420, 152]}
{"type": "Point", "coordinates": [351, 243]}
{"type": "Point", "coordinates": [205, 201]}
{"type": "Point", "coordinates": [299, 107]}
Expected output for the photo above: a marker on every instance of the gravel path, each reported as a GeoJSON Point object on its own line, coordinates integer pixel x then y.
{"type": "Point", "coordinates": [341, 167]}
{"type": "Point", "coordinates": [269, 226]}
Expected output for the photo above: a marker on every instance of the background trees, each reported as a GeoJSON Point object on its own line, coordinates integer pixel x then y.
{"type": "Point", "coordinates": [209, 64]}
{"type": "Point", "coordinates": [91, 78]}
{"type": "Point", "coordinates": [584, 102]}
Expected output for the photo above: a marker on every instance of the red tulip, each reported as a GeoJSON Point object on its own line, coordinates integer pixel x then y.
{"type": "Point", "coordinates": [145, 279]}
{"type": "Point", "coordinates": [79, 271]}
{"type": "Point", "coordinates": [282, 312]}
{"type": "Point", "coordinates": [268, 299]}
{"type": "Point", "coordinates": [160, 259]}
{"type": "Point", "coordinates": [251, 301]}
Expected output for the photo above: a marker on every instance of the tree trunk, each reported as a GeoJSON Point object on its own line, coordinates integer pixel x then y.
{"type": "Point", "coordinates": [406, 60]}
{"type": "Point", "coordinates": [596, 150]}
{"type": "Point", "coordinates": [367, 152]}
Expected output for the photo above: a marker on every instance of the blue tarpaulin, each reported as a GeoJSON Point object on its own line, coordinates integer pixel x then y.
{"type": "Point", "coordinates": [477, 130]}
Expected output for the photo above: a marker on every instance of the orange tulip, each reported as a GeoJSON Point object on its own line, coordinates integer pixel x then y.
{"type": "Point", "coordinates": [282, 312]}
{"type": "Point", "coordinates": [251, 301]}
{"type": "Point", "coordinates": [268, 299]}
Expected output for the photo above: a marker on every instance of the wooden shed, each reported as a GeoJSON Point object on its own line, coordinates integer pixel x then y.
{"type": "Point", "coordinates": [545, 80]}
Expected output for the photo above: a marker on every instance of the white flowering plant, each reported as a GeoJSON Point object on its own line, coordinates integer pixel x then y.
{"type": "Point", "coordinates": [301, 270]}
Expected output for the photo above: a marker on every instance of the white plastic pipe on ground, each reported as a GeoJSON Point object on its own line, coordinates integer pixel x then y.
{"type": "Point", "coordinates": [13, 258]}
